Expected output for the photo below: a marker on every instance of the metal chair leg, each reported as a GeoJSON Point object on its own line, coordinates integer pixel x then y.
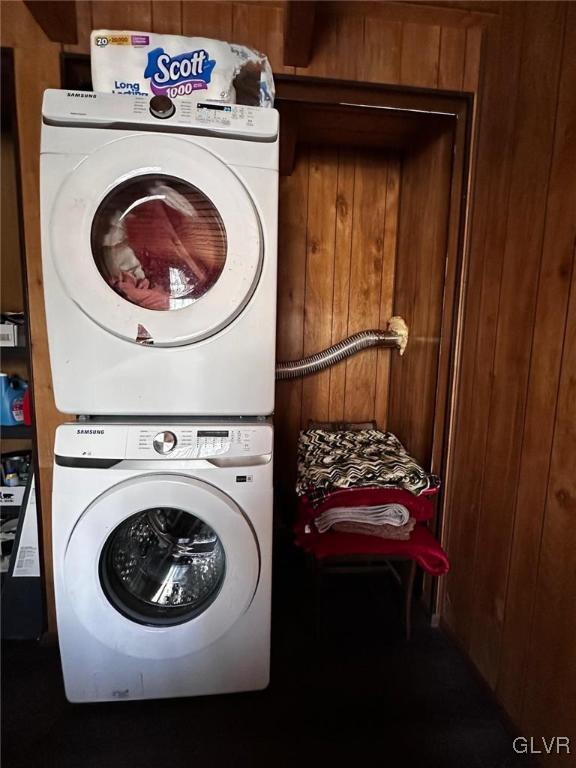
{"type": "Point", "coordinates": [318, 584]}
{"type": "Point", "coordinates": [408, 592]}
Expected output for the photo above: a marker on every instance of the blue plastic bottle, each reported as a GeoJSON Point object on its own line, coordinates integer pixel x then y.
{"type": "Point", "coordinates": [12, 389]}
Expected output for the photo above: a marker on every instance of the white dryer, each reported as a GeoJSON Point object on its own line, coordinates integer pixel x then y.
{"type": "Point", "coordinates": [159, 250]}
{"type": "Point", "coordinates": [162, 557]}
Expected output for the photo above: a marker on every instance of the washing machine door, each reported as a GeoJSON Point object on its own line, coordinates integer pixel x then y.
{"type": "Point", "coordinates": [161, 566]}
{"type": "Point", "coordinates": [156, 240]}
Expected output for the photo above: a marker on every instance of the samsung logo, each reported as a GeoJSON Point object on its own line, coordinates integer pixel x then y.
{"type": "Point", "coordinates": [89, 431]}
{"type": "Point", "coordinates": [81, 95]}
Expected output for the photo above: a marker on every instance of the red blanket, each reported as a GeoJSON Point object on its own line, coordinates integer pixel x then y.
{"type": "Point", "coordinates": [421, 547]}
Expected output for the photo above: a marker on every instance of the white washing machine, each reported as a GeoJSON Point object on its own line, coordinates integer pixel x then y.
{"type": "Point", "coordinates": [159, 250]}
{"type": "Point", "coordinates": [162, 557]}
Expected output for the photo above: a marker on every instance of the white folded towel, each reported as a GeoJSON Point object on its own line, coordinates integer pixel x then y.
{"type": "Point", "coordinates": [383, 514]}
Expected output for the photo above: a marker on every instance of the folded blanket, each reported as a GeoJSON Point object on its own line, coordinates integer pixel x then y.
{"type": "Point", "coordinates": [394, 515]}
{"type": "Point", "coordinates": [369, 458]}
{"type": "Point", "coordinates": [391, 532]}
{"type": "Point", "coordinates": [419, 507]}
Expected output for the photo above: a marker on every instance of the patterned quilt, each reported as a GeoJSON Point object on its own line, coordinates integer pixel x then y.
{"type": "Point", "coordinates": [333, 460]}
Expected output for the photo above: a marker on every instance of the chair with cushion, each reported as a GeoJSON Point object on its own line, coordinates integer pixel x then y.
{"type": "Point", "coordinates": [337, 552]}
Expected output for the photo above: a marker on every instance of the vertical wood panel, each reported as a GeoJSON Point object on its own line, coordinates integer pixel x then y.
{"type": "Point", "coordinates": [292, 258]}
{"type": "Point", "coordinates": [19, 29]}
{"type": "Point", "coordinates": [430, 299]}
{"type": "Point", "coordinates": [290, 333]}
{"type": "Point", "coordinates": [129, 15]}
{"type": "Point", "coordinates": [487, 241]}
{"type": "Point", "coordinates": [322, 192]}
{"type": "Point", "coordinates": [472, 63]}
{"type": "Point", "coordinates": [167, 17]}
{"type": "Point", "coordinates": [84, 27]}
{"type": "Point", "coordinates": [418, 296]}
{"type": "Point", "coordinates": [365, 281]}
{"type": "Point", "coordinates": [260, 26]}
{"type": "Point", "coordinates": [420, 55]}
{"type": "Point", "coordinates": [452, 58]}
{"type": "Point", "coordinates": [380, 62]}
{"type": "Point", "coordinates": [387, 290]}
{"type": "Point", "coordinates": [518, 358]}
{"type": "Point", "coordinates": [551, 671]}
{"type": "Point", "coordinates": [342, 268]}
{"type": "Point", "coordinates": [337, 42]}
{"type": "Point", "coordinates": [550, 320]}
{"type": "Point", "coordinates": [530, 171]}
{"type": "Point", "coordinates": [207, 18]}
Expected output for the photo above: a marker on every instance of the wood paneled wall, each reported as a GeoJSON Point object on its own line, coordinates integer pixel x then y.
{"type": "Point", "coordinates": [511, 496]}
{"type": "Point", "coordinates": [337, 260]}
{"type": "Point", "coordinates": [510, 595]}
{"type": "Point", "coordinates": [394, 43]}
{"type": "Point", "coordinates": [423, 287]}
{"type": "Point", "coordinates": [399, 44]}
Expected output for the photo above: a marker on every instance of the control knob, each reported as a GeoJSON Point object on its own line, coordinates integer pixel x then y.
{"type": "Point", "coordinates": [162, 107]}
{"type": "Point", "coordinates": [164, 442]}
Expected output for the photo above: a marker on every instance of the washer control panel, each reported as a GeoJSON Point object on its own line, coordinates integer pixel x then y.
{"type": "Point", "coordinates": [160, 441]}
{"type": "Point", "coordinates": [194, 442]}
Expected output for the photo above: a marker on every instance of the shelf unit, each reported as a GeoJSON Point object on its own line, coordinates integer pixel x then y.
{"type": "Point", "coordinates": [17, 432]}
{"type": "Point", "coordinates": [22, 594]}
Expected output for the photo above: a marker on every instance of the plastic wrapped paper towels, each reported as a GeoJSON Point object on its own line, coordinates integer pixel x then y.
{"type": "Point", "coordinates": [210, 70]}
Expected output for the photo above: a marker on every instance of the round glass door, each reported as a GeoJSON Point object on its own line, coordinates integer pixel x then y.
{"type": "Point", "coordinates": [158, 242]}
{"type": "Point", "coordinates": [156, 239]}
{"type": "Point", "coordinates": [162, 566]}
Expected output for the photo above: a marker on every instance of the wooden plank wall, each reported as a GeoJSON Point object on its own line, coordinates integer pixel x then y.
{"type": "Point", "coordinates": [337, 257]}
{"type": "Point", "coordinates": [420, 293]}
{"type": "Point", "coordinates": [394, 43]}
{"type": "Point", "coordinates": [510, 530]}
{"type": "Point", "coordinates": [509, 598]}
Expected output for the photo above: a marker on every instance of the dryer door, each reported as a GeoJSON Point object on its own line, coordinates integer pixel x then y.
{"type": "Point", "coordinates": [161, 565]}
{"type": "Point", "coordinates": [156, 240]}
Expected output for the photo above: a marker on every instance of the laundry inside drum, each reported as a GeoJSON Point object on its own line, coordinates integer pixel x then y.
{"type": "Point", "coordinates": [162, 566]}
{"type": "Point", "coordinates": [159, 242]}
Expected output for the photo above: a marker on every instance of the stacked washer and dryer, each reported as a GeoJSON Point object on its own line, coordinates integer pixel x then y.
{"type": "Point", "coordinates": [159, 230]}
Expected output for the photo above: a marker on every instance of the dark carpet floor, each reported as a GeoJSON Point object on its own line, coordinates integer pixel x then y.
{"type": "Point", "coordinates": [359, 695]}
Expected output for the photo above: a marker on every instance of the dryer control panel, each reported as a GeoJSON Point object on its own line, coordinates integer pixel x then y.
{"type": "Point", "coordinates": [164, 441]}
{"type": "Point", "coordinates": [159, 113]}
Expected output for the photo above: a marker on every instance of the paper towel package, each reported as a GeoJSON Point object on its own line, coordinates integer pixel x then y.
{"type": "Point", "coordinates": [147, 63]}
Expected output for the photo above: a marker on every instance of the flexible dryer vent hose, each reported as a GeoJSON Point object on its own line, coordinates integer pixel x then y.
{"type": "Point", "coordinates": [395, 336]}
